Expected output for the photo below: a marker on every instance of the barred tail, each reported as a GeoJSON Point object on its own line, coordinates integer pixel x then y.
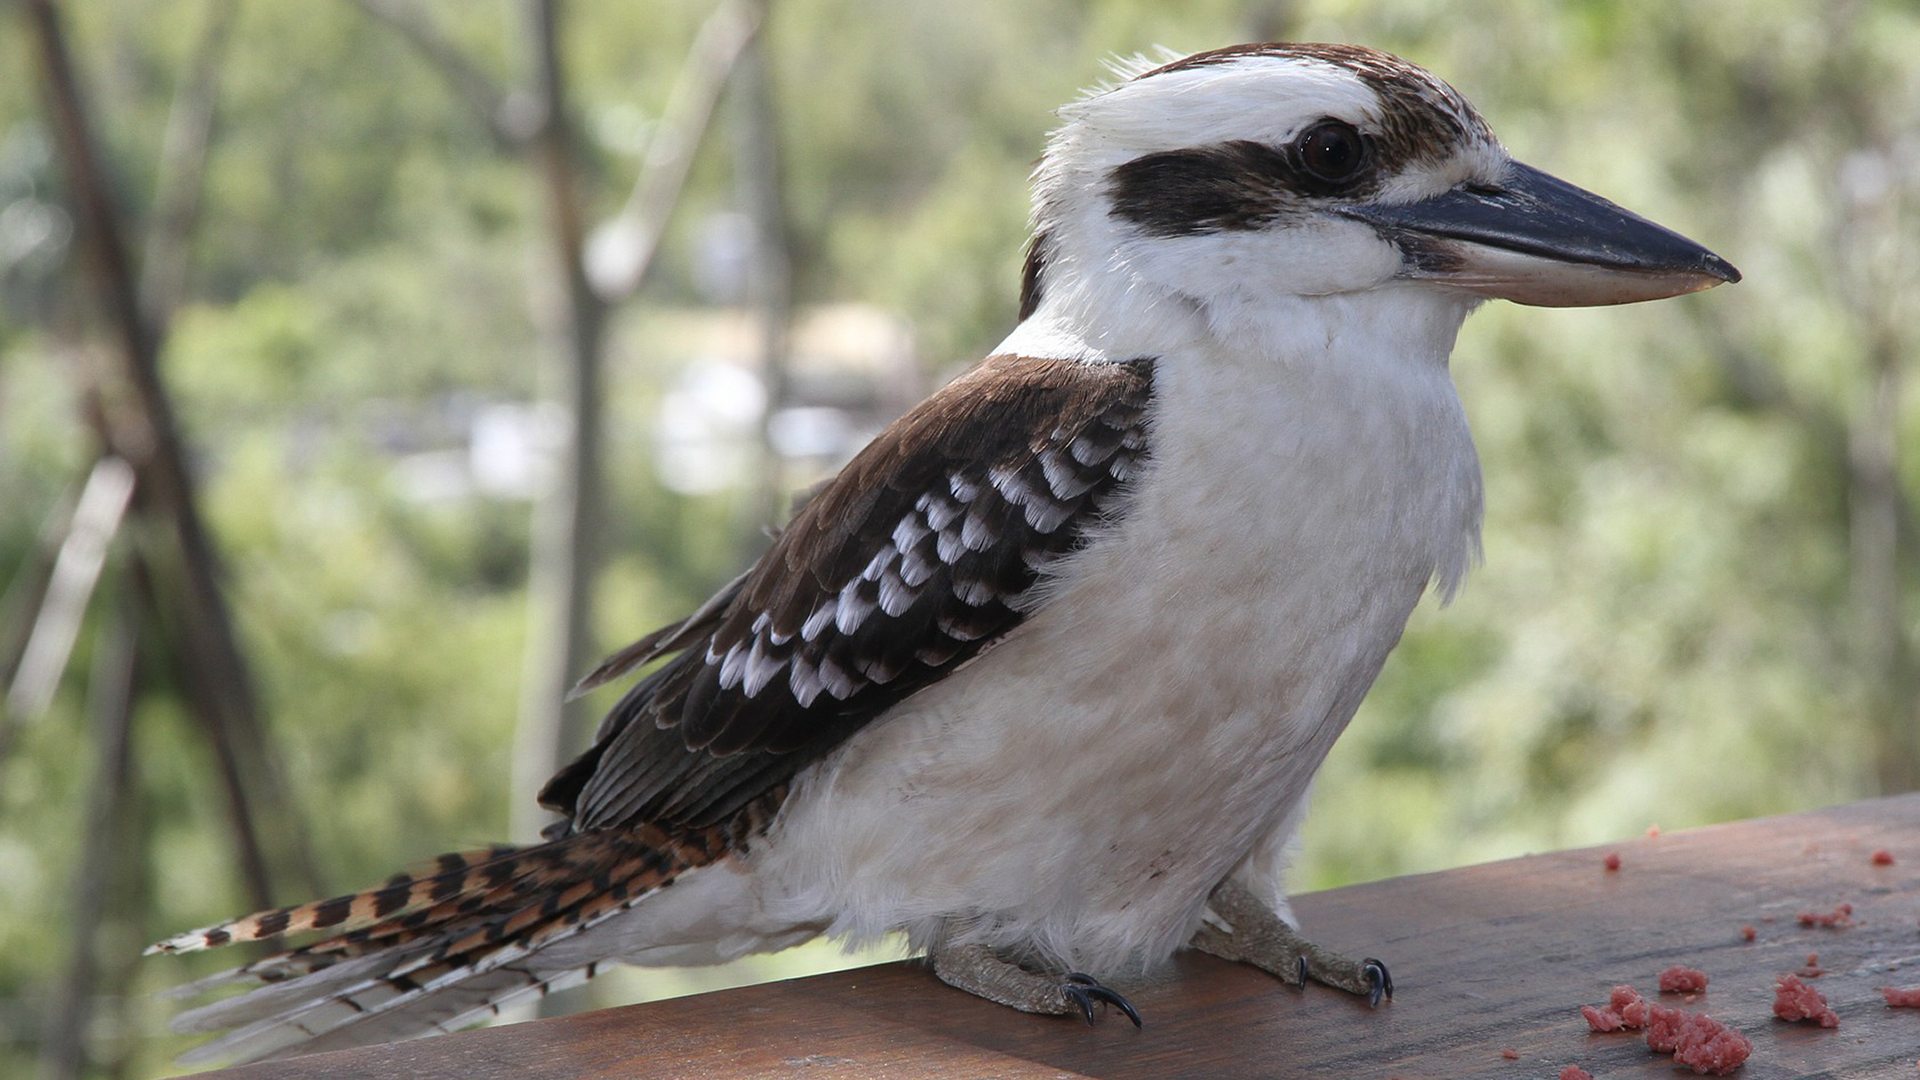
{"type": "Point", "coordinates": [434, 949]}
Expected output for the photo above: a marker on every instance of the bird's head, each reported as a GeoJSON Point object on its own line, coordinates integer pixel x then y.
{"type": "Point", "coordinates": [1267, 171]}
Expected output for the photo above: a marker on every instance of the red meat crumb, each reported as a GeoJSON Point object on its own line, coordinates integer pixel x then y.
{"type": "Point", "coordinates": [1709, 1047]}
{"type": "Point", "coordinates": [1838, 917]}
{"type": "Point", "coordinates": [1612, 861]}
{"type": "Point", "coordinates": [1663, 1028]}
{"type": "Point", "coordinates": [1510, 1054]}
{"type": "Point", "coordinates": [1602, 1020]}
{"type": "Point", "coordinates": [1575, 1072]}
{"type": "Point", "coordinates": [1882, 857]}
{"type": "Point", "coordinates": [1901, 999]}
{"type": "Point", "coordinates": [1682, 980]}
{"type": "Point", "coordinates": [1813, 959]}
{"type": "Point", "coordinates": [1794, 1000]}
{"type": "Point", "coordinates": [1748, 933]}
{"type": "Point", "coordinates": [1697, 1040]}
{"type": "Point", "coordinates": [1625, 1010]}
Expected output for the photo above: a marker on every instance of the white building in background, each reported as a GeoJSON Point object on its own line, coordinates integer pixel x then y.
{"type": "Point", "coordinates": [852, 368]}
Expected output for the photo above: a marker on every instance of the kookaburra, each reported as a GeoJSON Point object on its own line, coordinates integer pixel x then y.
{"type": "Point", "coordinates": [1040, 679]}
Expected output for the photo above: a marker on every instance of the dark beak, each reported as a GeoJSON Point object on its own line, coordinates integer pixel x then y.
{"type": "Point", "coordinates": [1536, 239]}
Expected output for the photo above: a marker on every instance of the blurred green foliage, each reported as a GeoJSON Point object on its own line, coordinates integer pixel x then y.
{"type": "Point", "coordinates": [1664, 631]}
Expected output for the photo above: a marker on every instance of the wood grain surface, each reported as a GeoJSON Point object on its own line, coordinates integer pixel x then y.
{"type": "Point", "coordinates": [1483, 957]}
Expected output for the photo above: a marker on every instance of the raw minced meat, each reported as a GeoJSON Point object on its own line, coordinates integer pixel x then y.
{"type": "Point", "coordinates": [1696, 1040]}
{"type": "Point", "coordinates": [1682, 980]}
{"type": "Point", "coordinates": [1897, 998]}
{"type": "Point", "coordinates": [1663, 1028]}
{"type": "Point", "coordinates": [1625, 1010]}
{"type": "Point", "coordinates": [1794, 1000]}
{"type": "Point", "coordinates": [1575, 1072]}
{"type": "Point", "coordinates": [1711, 1048]}
{"type": "Point", "coordinates": [1602, 1020]}
{"type": "Point", "coordinates": [1838, 917]}
{"type": "Point", "coordinates": [1748, 933]}
{"type": "Point", "coordinates": [1612, 861]}
{"type": "Point", "coordinates": [1510, 1054]}
{"type": "Point", "coordinates": [1882, 857]}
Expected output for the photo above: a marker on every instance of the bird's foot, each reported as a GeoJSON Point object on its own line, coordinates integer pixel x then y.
{"type": "Point", "coordinates": [978, 971]}
{"type": "Point", "coordinates": [1253, 934]}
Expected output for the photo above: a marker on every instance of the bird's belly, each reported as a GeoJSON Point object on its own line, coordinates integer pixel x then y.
{"type": "Point", "coordinates": [1078, 790]}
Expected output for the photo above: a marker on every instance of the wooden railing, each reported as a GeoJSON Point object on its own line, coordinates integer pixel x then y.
{"type": "Point", "coordinates": [1485, 959]}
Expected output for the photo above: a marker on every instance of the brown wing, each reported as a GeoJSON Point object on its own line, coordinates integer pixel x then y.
{"type": "Point", "coordinates": [920, 553]}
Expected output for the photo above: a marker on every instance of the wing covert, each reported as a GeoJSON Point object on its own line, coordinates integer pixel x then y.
{"type": "Point", "coordinates": [921, 552]}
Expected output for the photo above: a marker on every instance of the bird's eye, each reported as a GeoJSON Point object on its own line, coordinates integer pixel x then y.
{"type": "Point", "coordinates": [1332, 152]}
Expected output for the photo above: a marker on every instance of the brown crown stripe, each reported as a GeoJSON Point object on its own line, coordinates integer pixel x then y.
{"type": "Point", "coordinates": [1392, 79]}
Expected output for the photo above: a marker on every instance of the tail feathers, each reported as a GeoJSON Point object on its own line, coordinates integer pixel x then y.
{"type": "Point", "coordinates": [430, 965]}
{"type": "Point", "coordinates": [273, 998]}
{"type": "Point", "coordinates": [451, 875]}
{"type": "Point", "coordinates": [397, 999]}
{"type": "Point", "coordinates": [481, 997]}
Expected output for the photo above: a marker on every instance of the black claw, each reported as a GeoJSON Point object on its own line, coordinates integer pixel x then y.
{"type": "Point", "coordinates": [1117, 1002]}
{"type": "Point", "coordinates": [1078, 995]}
{"type": "Point", "coordinates": [1379, 978]}
{"type": "Point", "coordinates": [1303, 972]}
{"type": "Point", "coordinates": [1083, 990]}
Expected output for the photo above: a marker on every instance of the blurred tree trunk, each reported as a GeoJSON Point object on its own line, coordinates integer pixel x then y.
{"type": "Point", "coordinates": [492, 107]}
{"type": "Point", "coordinates": [622, 248]}
{"type": "Point", "coordinates": [183, 169]}
{"type": "Point", "coordinates": [1882, 545]}
{"type": "Point", "coordinates": [190, 609]}
{"type": "Point", "coordinates": [70, 586]}
{"type": "Point", "coordinates": [573, 306]}
{"type": "Point", "coordinates": [1871, 269]}
{"type": "Point", "coordinates": [20, 605]}
{"type": "Point", "coordinates": [107, 856]}
{"type": "Point", "coordinates": [770, 273]}
{"type": "Point", "coordinates": [567, 524]}
{"type": "Point", "coordinates": [567, 518]}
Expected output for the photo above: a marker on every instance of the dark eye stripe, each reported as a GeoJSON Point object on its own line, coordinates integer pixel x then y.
{"type": "Point", "coordinates": [1233, 186]}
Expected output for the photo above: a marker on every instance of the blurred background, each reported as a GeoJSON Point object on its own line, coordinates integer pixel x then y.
{"type": "Point", "coordinates": [370, 367]}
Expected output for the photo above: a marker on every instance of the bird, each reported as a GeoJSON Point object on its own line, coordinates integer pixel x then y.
{"type": "Point", "coordinates": [1041, 678]}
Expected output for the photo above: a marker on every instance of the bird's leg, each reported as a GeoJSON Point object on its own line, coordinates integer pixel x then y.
{"type": "Point", "coordinates": [1257, 936]}
{"type": "Point", "coordinates": [975, 969]}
